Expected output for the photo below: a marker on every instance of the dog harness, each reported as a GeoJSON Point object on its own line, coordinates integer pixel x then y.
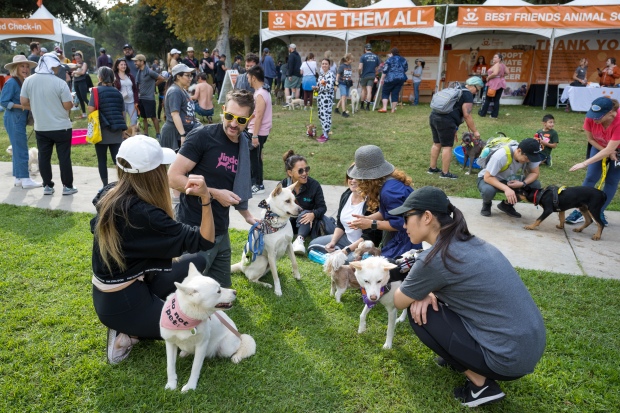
{"type": "Point", "coordinates": [173, 318]}
{"type": "Point", "coordinates": [555, 191]}
{"type": "Point", "coordinates": [256, 242]}
{"type": "Point", "coordinates": [369, 303]}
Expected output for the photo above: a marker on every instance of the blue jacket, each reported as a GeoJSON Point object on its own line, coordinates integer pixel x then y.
{"type": "Point", "coordinates": [111, 108]}
{"type": "Point", "coordinates": [269, 67]}
{"type": "Point", "coordinates": [395, 68]}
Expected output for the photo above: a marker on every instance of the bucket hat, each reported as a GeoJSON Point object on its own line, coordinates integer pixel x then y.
{"type": "Point", "coordinates": [18, 60]}
{"type": "Point", "coordinates": [370, 164]}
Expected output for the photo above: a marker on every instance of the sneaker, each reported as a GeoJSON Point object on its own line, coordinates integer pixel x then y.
{"type": "Point", "coordinates": [66, 190]}
{"type": "Point", "coordinates": [337, 111]}
{"type": "Point", "coordinates": [17, 182]}
{"type": "Point", "coordinates": [549, 161]}
{"type": "Point", "coordinates": [508, 209]}
{"type": "Point", "coordinates": [486, 209]}
{"type": "Point", "coordinates": [604, 220]}
{"type": "Point", "coordinates": [48, 190]}
{"type": "Point", "coordinates": [298, 246]}
{"type": "Point", "coordinates": [28, 183]}
{"type": "Point", "coordinates": [258, 189]}
{"type": "Point", "coordinates": [158, 136]}
{"type": "Point", "coordinates": [433, 170]}
{"type": "Point", "coordinates": [447, 175]}
{"type": "Point", "coordinates": [368, 106]}
{"type": "Point", "coordinates": [118, 346]}
{"type": "Point", "coordinates": [322, 139]}
{"type": "Point", "coordinates": [575, 217]}
{"type": "Point", "coordinates": [345, 114]}
{"type": "Point", "coordinates": [471, 395]}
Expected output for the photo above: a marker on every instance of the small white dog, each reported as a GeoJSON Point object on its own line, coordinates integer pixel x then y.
{"type": "Point", "coordinates": [373, 276]}
{"type": "Point", "coordinates": [292, 103]}
{"type": "Point", "coordinates": [33, 159]}
{"type": "Point", "coordinates": [278, 234]}
{"type": "Point", "coordinates": [190, 321]}
{"type": "Point", "coordinates": [355, 100]}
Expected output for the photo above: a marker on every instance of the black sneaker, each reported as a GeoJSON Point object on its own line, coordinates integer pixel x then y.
{"type": "Point", "coordinates": [486, 209]}
{"type": "Point", "coordinates": [337, 110]}
{"type": "Point", "coordinates": [433, 170]}
{"type": "Point", "coordinates": [368, 106]}
{"type": "Point", "coordinates": [471, 395]}
{"type": "Point", "coordinates": [345, 114]}
{"type": "Point", "coordinates": [509, 209]}
{"type": "Point", "coordinates": [447, 175]}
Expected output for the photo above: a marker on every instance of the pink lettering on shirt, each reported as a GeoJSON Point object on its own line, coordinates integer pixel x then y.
{"type": "Point", "coordinates": [227, 162]}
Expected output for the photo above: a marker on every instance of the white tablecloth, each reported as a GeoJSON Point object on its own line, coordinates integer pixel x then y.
{"type": "Point", "coordinates": [581, 97]}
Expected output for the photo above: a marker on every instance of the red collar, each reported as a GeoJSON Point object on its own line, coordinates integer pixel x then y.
{"type": "Point", "coordinates": [536, 193]}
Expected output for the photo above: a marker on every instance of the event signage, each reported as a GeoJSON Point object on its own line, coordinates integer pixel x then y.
{"type": "Point", "coordinates": [543, 17]}
{"type": "Point", "coordinates": [353, 19]}
{"type": "Point", "coordinates": [26, 26]}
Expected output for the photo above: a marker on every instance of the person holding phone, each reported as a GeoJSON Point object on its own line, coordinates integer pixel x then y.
{"type": "Point", "coordinates": [610, 73]}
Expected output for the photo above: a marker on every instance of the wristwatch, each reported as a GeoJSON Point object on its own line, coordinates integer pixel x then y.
{"type": "Point", "coordinates": [373, 226]}
{"type": "Point", "coordinates": [347, 250]}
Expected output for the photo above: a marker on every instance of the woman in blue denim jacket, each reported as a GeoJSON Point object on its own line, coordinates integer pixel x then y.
{"type": "Point", "coordinates": [394, 76]}
{"type": "Point", "coordinates": [16, 118]}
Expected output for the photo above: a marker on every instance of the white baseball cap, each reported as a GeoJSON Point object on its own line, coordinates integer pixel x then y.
{"type": "Point", "coordinates": [181, 68]}
{"type": "Point", "coordinates": [144, 154]}
{"type": "Point", "coordinates": [175, 51]}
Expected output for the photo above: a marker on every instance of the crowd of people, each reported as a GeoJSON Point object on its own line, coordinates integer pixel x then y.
{"type": "Point", "coordinates": [143, 243]}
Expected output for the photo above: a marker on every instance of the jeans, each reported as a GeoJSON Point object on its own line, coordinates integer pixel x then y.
{"type": "Point", "coordinates": [202, 112]}
{"type": "Point", "coordinates": [594, 173]}
{"type": "Point", "coordinates": [218, 260]}
{"type": "Point", "coordinates": [45, 142]}
{"type": "Point", "coordinates": [416, 91]}
{"type": "Point", "coordinates": [15, 123]}
{"type": "Point", "coordinates": [256, 161]}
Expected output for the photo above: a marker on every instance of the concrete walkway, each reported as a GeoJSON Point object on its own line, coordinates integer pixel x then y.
{"type": "Point", "coordinates": [547, 249]}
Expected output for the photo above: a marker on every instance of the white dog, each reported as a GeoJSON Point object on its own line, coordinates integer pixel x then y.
{"type": "Point", "coordinates": [190, 321]}
{"type": "Point", "coordinates": [292, 103]}
{"type": "Point", "coordinates": [278, 234]}
{"type": "Point", "coordinates": [33, 159]}
{"type": "Point", "coordinates": [355, 100]}
{"type": "Point", "coordinates": [373, 275]}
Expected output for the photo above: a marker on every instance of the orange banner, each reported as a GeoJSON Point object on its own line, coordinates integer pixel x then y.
{"type": "Point", "coordinates": [26, 26]}
{"type": "Point", "coordinates": [351, 19]}
{"type": "Point", "coordinates": [543, 17]}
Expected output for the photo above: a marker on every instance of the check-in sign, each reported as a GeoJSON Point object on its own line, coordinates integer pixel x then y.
{"type": "Point", "coordinates": [26, 26]}
{"type": "Point", "coordinates": [353, 19]}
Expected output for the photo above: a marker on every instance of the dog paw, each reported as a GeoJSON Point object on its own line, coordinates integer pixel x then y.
{"type": "Point", "coordinates": [595, 237]}
{"type": "Point", "coordinates": [278, 292]}
{"type": "Point", "coordinates": [361, 329]}
{"type": "Point", "coordinates": [466, 173]}
{"type": "Point", "coordinates": [236, 358]}
{"type": "Point", "coordinates": [188, 387]}
{"type": "Point", "coordinates": [529, 227]}
{"type": "Point", "coordinates": [577, 229]}
{"type": "Point", "coordinates": [387, 346]}
{"type": "Point", "coordinates": [559, 226]}
{"type": "Point", "coordinates": [171, 385]}
{"type": "Point", "coordinates": [297, 275]}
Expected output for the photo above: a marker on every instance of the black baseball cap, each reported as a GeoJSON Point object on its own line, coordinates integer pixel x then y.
{"type": "Point", "coordinates": [206, 50]}
{"type": "Point", "coordinates": [127, 46]}
{"type": "Point", "coordinates": [427, 198]}
{"type": "Point", "coordinates": [368, 46]}
{"type": "Point", "coordinates": [599, 108]}
{"type": "Point", "coordinates": [530, 147]}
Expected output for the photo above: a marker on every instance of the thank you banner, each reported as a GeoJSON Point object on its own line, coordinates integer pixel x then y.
{"type": "Point", "coordinates": [544, 17]}
{"type": "Point", "coordinates": [26, 26]}
{"type": "Point", "coordinates": [353, 19]}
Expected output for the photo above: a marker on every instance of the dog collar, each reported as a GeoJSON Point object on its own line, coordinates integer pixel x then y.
{"type": "Point", "coordinates": [173, 318]}
{"type": "Point", "coordinates": [267, 224]}
{"type": "Point", "coordinates": [369, 303]}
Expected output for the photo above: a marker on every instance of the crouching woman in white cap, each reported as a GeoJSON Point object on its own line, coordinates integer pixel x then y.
{"type": "Point", "coordinates": [483, 322]}
{"type": "Point", "coordinates": [137, 242]}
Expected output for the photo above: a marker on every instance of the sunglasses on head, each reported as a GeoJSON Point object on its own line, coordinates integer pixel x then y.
{"type": "Point", "coordinates": [241, 120]}
{"type": "Point", "coordinates": [301, 171]}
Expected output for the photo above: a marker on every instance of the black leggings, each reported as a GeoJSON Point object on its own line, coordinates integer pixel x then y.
{"type": "Point", "coordinates": [445, 334]}
{"type": "Point", "coordinates": [102, 159]}
{"type": "Point", "coordinates": [81, 90]}
{"type": "Point", "coordinates": [136, 310]}
{"type": "Point", "coordinates": [256, 161]}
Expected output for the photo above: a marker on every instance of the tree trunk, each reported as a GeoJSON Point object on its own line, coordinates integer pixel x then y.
{"type": "Point", "coordinates": [222, 42]}
{"type": "Point", "coordinates": [246, 44]}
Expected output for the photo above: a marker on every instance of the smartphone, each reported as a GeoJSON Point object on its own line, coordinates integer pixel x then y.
{"type": "Point", "coordinates": [73, 49]}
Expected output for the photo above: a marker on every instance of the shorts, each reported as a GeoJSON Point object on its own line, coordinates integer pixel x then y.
{"type": "Point", "coordinates": [344, 90]}
{"type": "Point", "coordinates": [444, 128]}
{"type": "Point", "coordinates": [367, 81]}
{"type": "Point", "coordinates": [147, 109]}
{"type": "Point", "coordinates": [294, 83]}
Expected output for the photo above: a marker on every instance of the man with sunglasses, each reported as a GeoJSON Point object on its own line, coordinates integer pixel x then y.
{"type": "Point", "coordinates": [218, 153]}
{"type": "Point", "coordinates": [445, 126]}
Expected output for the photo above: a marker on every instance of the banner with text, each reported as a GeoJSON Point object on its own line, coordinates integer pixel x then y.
{"type": "Point", "coordinates": [540, 17]}
{"type": "Point", "coordinates": [353, 19]}
{"type": "Point", "coordinates": [26, 26]}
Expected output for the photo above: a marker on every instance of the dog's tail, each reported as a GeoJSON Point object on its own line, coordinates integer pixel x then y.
{"type": "Point", "coordinates": [247, 348]}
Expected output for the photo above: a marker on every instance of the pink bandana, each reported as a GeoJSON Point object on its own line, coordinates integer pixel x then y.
{"type": "Point", "coordinates": [173, 318]}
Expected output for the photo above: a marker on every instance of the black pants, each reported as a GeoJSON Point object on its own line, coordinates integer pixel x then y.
{"type": "Point", "coordinates": [45, 143]}
{"type": "Point", "coordinates": [102, 159]}
{"type": "Point", "coordinates": [256, 161]}
{"type": "Point", "coordinates": [81, 90]}
{"type": "Point", "coordinates": [445, 334]}
{"type": "Point", "coordinates": [136, 310]}
{"type": "Point", "coordinates": [495, 99]}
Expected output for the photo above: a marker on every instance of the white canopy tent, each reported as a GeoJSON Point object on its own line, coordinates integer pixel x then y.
{"type": "Point", "coordinates": [62, 33]}
{"type": "Point", "coordinates": [566, 32]}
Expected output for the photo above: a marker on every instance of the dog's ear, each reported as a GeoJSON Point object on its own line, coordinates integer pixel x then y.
{"type": "Point", "coordinates": [356, 265]}
{"type": "Point", "coordinates": [389, 266]}
{"type": "Point", "coordinates": [278, 190]}
{"type": "Point", "coordinates": [185, 289]}
{"type": "Point", "coordinates": [291, 187]}
{"type": "Point", "coordinates": [192, 271]}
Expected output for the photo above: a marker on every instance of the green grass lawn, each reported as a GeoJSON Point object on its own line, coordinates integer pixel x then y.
{"type": "Point", "coordinates": [309, 356]}
{"type": "Point", "coordinates": [405, 138]}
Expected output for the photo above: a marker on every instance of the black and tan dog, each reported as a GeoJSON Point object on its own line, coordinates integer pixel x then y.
{"type": "Point", "coordinates": [553, 199]}
{"type": "Point", "coordinates": [472, 148]}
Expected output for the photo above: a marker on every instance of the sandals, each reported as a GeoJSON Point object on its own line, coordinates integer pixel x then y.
{"type": "Point", "coordinates": [382, 111]}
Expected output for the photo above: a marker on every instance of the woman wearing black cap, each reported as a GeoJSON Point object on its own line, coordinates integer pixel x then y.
{"type": "Point", "coordinates": [484, 322]}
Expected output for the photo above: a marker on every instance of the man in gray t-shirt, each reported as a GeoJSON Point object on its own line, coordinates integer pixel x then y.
{"type": "Point", "coordinates": [147, 80]}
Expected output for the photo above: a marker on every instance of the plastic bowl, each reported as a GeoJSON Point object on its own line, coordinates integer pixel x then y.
{"type": "Point", "coordinates": [458, 154]}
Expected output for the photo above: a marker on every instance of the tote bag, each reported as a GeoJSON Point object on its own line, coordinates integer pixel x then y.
{"type": "Point", "coordinates": [93, 134]}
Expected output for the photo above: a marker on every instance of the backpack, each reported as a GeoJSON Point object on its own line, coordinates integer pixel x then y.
{"type": "Point", "coordinates": [492, 146]}
{"type": "Point", "coordinates": [443, 101]}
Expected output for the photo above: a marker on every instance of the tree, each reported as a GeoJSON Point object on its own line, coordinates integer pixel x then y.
{"type": "Point", "coordinates": [71, 11]}
{"type": "Point", "coordinates": [149, 32]}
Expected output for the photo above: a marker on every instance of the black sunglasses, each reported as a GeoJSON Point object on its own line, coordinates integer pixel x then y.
{"type": "Point", "coordinates": [301, 171]}
{"type": "Point", "coordinates": [411, 214]}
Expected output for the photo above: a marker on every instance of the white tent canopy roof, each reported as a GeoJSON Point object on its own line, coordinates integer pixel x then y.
{"type": "Point", "coordinates": [62, 32]}
{"type": "Point", "coordinates": [566, 32]}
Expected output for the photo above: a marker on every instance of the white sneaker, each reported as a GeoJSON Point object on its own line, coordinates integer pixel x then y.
{"type": "Point", "coordinates": [119, 346]}
{"type": "Point", "coordinates": [28, 183]}
{"type": "Point", "coordinates": [298, 246]}
{"type": "Point", "coordinates": [18, 182]}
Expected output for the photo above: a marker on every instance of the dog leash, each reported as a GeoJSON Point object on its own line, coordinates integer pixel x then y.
{"type": "Point", "coordinates": [256, 243]}
{"type": "Point", "coordinates": [227, 325]}
{"type": "Point", "coordinates": [603, 174]}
